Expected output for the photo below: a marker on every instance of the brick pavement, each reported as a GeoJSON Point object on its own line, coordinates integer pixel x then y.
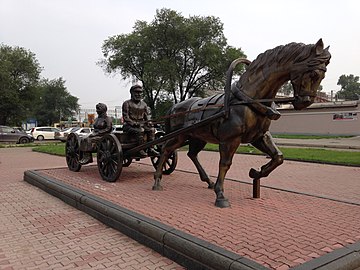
{"type": "Point", "coordinates": [336, 182]}
{"type": "Point", "coordinates": [280, 230]}
{"type": "Point", "coordinates": [38, 231]}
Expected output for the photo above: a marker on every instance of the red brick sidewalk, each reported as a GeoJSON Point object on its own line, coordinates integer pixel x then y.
{"type": "Point", "coordinates": [337, 182]}
{"type": "Point", "coordinates": [280, 230]}
{"type": "Point", "coordinates": [38, 231]}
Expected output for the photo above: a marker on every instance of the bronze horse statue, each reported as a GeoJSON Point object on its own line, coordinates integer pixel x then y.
{"type": "Point", "coordinates": [305, 67]}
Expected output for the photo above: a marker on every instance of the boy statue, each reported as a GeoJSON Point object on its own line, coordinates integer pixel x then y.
{"type": "Point", "coordinates": [102, 126]}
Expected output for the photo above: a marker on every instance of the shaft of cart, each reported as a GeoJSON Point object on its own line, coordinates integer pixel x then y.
{"type": "Point", "coordinates": [175, 133]}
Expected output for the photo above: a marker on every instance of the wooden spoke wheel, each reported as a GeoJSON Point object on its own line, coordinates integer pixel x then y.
{"type": "Point", "coordinates": [170, 164]}
{"type": "Point", "coordinates": [109, 158]}
{"type": "Point", "coordinates": [73, 153]}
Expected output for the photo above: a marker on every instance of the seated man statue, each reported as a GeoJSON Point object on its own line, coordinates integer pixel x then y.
{"type": "Point", "coordinates": [137, 119]}
{"type": "Point", "coordinates": [102, 126]}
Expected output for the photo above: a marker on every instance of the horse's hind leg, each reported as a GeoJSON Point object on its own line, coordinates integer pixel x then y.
{"type": "Point", "coordinates": [195, 146]}
{"type": "Point", "coordinates": [267, 145]}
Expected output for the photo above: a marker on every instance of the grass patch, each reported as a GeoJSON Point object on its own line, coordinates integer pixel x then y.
{"type": "Point", "coordinates": [53, 149]}
{"type": "Point", "coordinates": [350, 158]}
{"type": "Point", "coordinates": [322, 155]}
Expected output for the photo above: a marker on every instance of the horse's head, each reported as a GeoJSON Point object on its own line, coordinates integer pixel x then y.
{"type": "Point", "coordinates": [307, 75]}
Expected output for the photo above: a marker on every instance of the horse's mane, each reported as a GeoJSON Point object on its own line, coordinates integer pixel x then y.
{"type": "Point", "coordinates": [292, 53]}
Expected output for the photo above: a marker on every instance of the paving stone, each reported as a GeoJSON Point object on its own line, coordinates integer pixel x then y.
{"type": "Point", "coordinates": [305, 210]}
{"type": "Point", "coordinates": [41, 232]}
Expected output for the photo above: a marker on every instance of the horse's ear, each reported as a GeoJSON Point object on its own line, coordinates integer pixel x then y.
{"type": "Point", "coordinates": [319, 47]}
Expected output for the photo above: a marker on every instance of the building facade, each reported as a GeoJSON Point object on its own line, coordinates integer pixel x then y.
{"type": "Point", "coordinates": [330, 118]}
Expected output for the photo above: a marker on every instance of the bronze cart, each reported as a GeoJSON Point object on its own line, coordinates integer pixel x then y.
{"type": "Point", "coordinates": [114, 151]}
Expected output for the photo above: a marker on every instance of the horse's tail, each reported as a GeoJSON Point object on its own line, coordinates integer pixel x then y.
{"type": "Point", "coordinates": [229, 75]}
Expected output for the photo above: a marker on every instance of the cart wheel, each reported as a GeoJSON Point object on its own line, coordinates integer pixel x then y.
{"type": "Point", "coordinates": [127, 161]}
{"type": "Point", "coordinates": [73, 153]}
{"type": "Point", "coordinates": [171, 162]}
{"type": "Point", "coordinates": [109, 158]}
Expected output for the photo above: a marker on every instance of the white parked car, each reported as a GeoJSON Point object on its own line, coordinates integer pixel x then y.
{"type": "Point", "coordinates": [44, 133]}
{"type": "Point", "coordinates": [81, 131]}
{"type": "Point", "coordinates": [60, 134]}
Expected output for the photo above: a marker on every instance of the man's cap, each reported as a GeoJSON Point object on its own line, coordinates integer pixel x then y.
{"type": "Point", "coordinates": [136, 86]}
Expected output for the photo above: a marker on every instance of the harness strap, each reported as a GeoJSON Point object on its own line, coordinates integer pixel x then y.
{"type": "Point", "coordinates": [229, 75]}
{"type": "Point", "coordinates": [214, 106]}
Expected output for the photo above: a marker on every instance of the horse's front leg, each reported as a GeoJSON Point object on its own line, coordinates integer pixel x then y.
{"type": "Point", "coordinates": [169, 147]}
{"type": "Point", "coordinates": [227, 150]}
{"type": "Point", "coordinates": [267, 145]}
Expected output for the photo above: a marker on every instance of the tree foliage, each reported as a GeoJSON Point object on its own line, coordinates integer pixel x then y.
{"type": "Point", "coordinates": [350, 87]}
{"type": "Point", "coordinates": [286, 89]}
{"type": "Point", "coordinates": [54, 102]}
{"type": "Point", "coordinates": [19, 74]}
{"type": "Point", "coordinates": [181, 57]}
{"type": "Point", "coordinates": [23, 95]}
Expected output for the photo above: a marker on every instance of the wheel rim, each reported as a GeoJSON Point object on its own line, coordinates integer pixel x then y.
{"type": "Point", "coordinates": [73, 153]}
{"type": "Point", "coordinates": [109, 158]}
{"type": "Point", "coordinates": [170, 164]}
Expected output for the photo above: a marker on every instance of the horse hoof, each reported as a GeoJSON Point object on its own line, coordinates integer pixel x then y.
{"type": "Point", "coordinates": [157, 187]}
{"type": "Point", "coordinates": [222, 203]}
{"type": "Point", "coordinates": [254, 174]}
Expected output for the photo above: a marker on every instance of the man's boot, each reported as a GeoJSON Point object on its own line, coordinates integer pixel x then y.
{"type": "Point", "coordinates": [141, 153]}
{"type": "Point", "coordinates": [86, 158]}
{"type": "Point", "coordinates": [150, 137]}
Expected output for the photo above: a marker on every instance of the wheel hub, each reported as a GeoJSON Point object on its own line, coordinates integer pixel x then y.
{"type": "Point", "coordinates": [107, 156]}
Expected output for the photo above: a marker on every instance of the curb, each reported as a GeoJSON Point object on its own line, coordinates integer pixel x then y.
{"type": "Point", "coordinates": [183, 248]}
{"type": "Point", "coordinates": [346, 258]}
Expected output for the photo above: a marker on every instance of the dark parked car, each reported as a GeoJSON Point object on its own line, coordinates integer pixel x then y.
{"type": "Point", "coordinates": [9, 134]}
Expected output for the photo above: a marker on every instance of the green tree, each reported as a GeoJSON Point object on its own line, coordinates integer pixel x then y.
{"type": "Point", "coordinates": [19, 74]}
{"type": "Point", "coordinates": [54, 102]}
{"type": "Point", "coordinates": [350, 87]}
{"type": "Point", "coordinates": [174, 55]}
{"type": "Point", "coordinates": [286, 89]}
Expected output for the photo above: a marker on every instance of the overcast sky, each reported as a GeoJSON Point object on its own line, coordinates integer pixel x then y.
{"type": "Point", "coordinates": [66, 35]}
